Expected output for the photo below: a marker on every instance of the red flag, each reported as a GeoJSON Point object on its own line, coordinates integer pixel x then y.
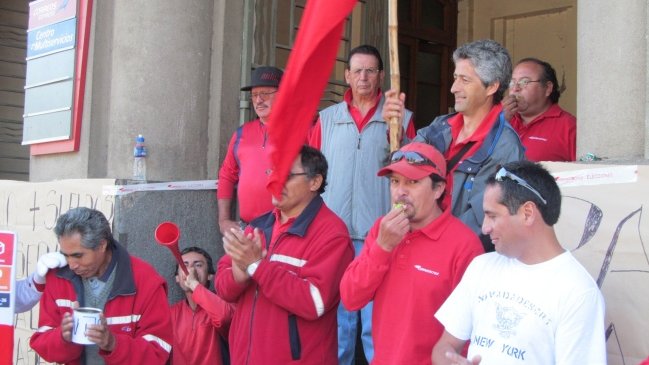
{"type": "Point", "coordinates": [7, 343]}
{"type": "Point", "coordinates": [307, 72]}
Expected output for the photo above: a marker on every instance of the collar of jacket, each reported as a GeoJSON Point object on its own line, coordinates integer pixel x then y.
{"type": "Point", "coordinates": [473, 163]}
{"type": "Point", "coordinates": [123, 283]}
{"type": "Point", "coordinates": [267, 221]}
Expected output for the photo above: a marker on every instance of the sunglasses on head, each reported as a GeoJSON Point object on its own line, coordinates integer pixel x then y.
{"type": "Point", "coordinates": [412, 157]}
{"type": "Point", "coordinates": [504, 174]}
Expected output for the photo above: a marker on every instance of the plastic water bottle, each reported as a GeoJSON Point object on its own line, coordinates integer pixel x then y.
{"type": "Point", "coordinates": [139, 159]}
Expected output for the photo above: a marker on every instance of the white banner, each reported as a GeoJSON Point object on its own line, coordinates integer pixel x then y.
{"type": "Point", "coordinates": [597, 176]}
{"type": "Point", "coordinates": [175, 185]}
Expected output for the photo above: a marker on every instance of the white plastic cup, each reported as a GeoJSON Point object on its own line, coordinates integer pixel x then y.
{"type": "Point", "coordinates": [83, 318]}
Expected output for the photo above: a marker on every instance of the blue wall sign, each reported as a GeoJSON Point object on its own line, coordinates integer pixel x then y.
{"type": "Point", "coordinates": [51, 38]}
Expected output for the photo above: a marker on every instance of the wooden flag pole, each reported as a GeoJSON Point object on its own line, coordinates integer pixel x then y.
{"type": "Point", "coordinates": [393, 44]}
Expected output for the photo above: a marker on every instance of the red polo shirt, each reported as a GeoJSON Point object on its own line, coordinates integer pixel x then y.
{"type": "Point", "coordinates": [552, 136]}
{"type": "Point", "coordinates": [246, 166]}
{"type": "Point", "coordinates": [408, 285]}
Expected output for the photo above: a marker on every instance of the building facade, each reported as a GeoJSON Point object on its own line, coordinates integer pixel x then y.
{"type": "Point", "coordinates": [172, 72]}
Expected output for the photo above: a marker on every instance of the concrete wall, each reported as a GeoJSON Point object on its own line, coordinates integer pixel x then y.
{"type": "Point", "coordinates": [159, 70]}
{"type": "Point", "coordinates": [612, 100]}
{"type": "Point", "coordinates": [138, 214]}
{"type": "Point", "coordinates": [542, 29]}
{"type": "Point", "coordinates": [227, 49]}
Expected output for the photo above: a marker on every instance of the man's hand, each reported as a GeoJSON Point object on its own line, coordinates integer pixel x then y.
{"type": "Point", "coordinates": [101, 335]}
{"type": "Point", "coordinates": [394, 106]}
{"type": "Point", "coordinates": [244, 249]}
{"type": "Point", "coordinates": [457, 359]}
{"type": "Point", "coordinates": [46, 262]}
{"type": "Point", "coordinates": [393, 227]}
{"type": "Point", "coordinates": [512, 104]}
{"type": "Point", "coordinates": [190, 281]}
{"type": "Point", "coordinates": [225, 225]}
{"type": "Point", "coordinates": [67, 323]}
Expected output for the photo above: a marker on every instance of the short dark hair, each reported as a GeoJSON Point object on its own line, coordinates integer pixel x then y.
{"type": "Point", "coordinates": [314, 163]}
{"type": "Point", "coordinates": [368, 50]}
{"type": "Point", "coordinates": [91, 224]}
{"type": "Point", "coordinates": [514, 195]}
{"type": "Point", "coordinates": [437, 179]}
{"type": "Point", "coordinates": [548, 74]}
{"type": "Point", "coordinates": [208, 260]}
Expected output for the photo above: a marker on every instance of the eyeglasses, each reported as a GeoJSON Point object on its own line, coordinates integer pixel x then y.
{"type": "Point", "coordinates": [413, 158]}
{"type": "Point", "coordinates": [522, 83]}
{"type": "Point", "coordinates": [504, 174]}
{"type": "Point", "coordinates": [369, 71]}
{"type": "Point", "coordinates": [264, 95]}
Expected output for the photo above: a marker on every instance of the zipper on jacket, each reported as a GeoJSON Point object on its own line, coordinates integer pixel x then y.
{"type": "Point", "coordinates": [252, 317]}
{"type": "Point", "coordinates": [265, 130]}
{"type": "Point", "coordinates": [294, 338]}
{"type": "Point", "coordinates": [193, 319]}
{"type": "Point", "coordinates": [271, 247]}
{"type": "Point", "coordinates": [360, 133]}
{"type": "Point", "coordinates": [353, 191]}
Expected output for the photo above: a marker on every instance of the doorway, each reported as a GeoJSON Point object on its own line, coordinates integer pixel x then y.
{"type": "Point", "coordinates": [427, 39]}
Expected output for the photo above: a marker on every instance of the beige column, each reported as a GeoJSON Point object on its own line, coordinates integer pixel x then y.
{"type": "Point", "coordinates": [156, 68]}
{"type": "Point", "coordinates": [612, 87]}
{"type": "Point", "coordinates": [646, 68]}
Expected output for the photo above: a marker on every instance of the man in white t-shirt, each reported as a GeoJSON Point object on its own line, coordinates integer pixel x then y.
{"type": "Point", "coordinates": [530, 302]}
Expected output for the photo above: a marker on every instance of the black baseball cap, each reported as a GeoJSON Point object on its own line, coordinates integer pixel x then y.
{"type": "Point", "coordinates": [264, 76]}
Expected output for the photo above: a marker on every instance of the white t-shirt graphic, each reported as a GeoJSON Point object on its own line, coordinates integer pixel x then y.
{"type": "Point", "coordinates": [548, 313]}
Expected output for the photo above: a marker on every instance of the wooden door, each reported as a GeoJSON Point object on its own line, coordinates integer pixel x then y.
{"type": "Point", "coordinates": [427, 38]}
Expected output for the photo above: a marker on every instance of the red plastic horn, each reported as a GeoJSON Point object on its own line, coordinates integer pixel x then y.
{"type": "Point", "coordinates": [167, 234]}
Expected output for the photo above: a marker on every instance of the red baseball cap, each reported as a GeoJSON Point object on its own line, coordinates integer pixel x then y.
{"type": "Point", "coordinates": [425, 160]}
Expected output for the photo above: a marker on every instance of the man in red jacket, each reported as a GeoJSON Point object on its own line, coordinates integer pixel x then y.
{"type": "Point", "coordinates": [202, 320]}
{"type": "Point", "coordinates": [135, 326]}
{"type": "Point", "coordinates": [284, 274]}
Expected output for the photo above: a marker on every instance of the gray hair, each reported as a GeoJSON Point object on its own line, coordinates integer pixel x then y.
{"type": "Point", "coordinates": [91, 224]}
{"type": "Point", "coordinates": [491, 61]}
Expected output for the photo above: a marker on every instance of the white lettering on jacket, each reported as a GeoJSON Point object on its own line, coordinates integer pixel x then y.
{"type": "Point", "coordinates": [428, 271]}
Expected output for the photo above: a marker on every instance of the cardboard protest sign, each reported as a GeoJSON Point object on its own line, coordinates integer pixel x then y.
{"type": "Point", "coordinates": [602, 224]}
